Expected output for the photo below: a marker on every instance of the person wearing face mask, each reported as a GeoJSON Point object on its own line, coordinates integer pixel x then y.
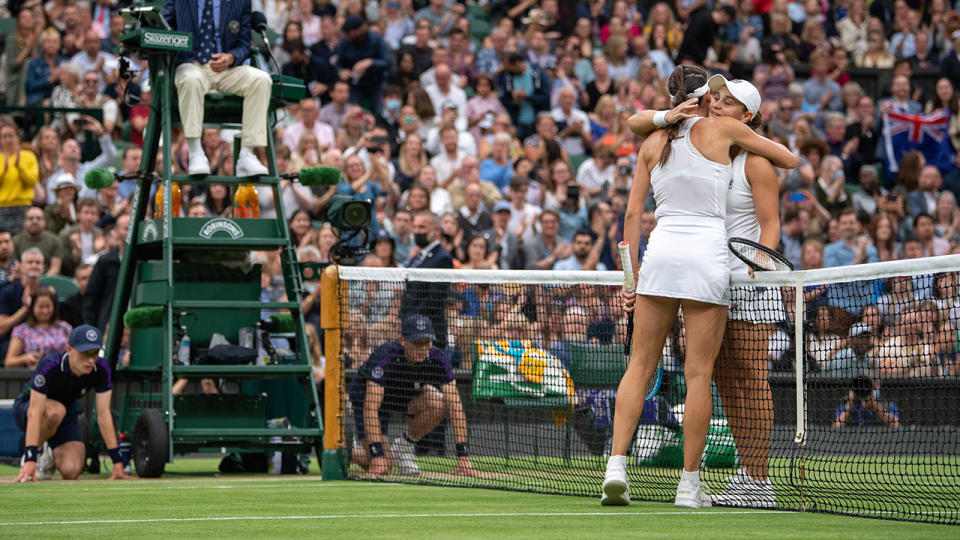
{"type": "Point", "coordinates": [365, 62]}
{"type": "Point", "coordinates": [391, 117]}
{"type": "Point", "coordinates": [421, 297]}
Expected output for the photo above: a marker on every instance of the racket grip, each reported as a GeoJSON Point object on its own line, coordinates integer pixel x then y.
{"type": "Point", "coordinates": [627, 264]}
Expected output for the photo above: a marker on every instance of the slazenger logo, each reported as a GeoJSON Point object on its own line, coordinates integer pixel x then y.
{"type": "Point", "coordinates": [149, 231]}
{"type": "Point", "coordinates": [221, 224]}
{"type": "Point", "coordinates": [169, 40]}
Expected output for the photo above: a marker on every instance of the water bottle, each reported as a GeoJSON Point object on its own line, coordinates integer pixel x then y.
{"type": "Point", "coordinates": [184, 354]}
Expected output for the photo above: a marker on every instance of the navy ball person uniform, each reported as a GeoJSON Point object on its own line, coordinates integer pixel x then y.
{"type": "Point", "coordinates": [53, 378]}
{"type": "Point", "coordinates": [401, 381]}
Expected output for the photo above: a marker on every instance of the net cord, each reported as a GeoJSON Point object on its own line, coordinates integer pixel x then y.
{"type": "Point", "coordinates": [822, 276]}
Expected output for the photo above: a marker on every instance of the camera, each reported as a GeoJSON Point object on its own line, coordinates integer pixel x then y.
{"type": "Point", "coordinates": [625, 170]}
{"type": "Point", "coordinates": [573, 191]}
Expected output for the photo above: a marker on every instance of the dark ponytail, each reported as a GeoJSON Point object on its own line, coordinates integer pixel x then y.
{"type": "Point", "coordinates": [683, 81]}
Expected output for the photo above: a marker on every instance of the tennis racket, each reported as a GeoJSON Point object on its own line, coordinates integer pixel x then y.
{"type": "Point", "coordinates": [654, 385]}
{"type": "Point", "coordinates": [759, 257]}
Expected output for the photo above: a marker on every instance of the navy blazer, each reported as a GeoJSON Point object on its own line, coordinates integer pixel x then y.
{"type": "Point", "coordinates": [429, 299]}
{"type": "Point", "coordinates": [235, 30]}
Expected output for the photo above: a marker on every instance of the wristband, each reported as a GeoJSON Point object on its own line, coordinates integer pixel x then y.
{"type": "Point", "coordinates": [115, 455]}
{"type": "Point", "coordinates": [376, 449]}
{"type": "Point", "coordinates": [660, 118]}
{"type": "Point", "coordinates": [462, 450]}
{"type": "Point", "coordinates": [30, 453]}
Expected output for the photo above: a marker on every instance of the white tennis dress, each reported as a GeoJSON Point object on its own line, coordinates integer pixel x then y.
{"type": "Point", "coordinates": [686, 256]}
{"type": "Point", "coordinates": [751, 304]}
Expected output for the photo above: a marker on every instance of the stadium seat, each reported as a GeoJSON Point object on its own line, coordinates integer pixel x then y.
{"type": "Point", "coordinates": [65, 287]}
{"type": "Point", "coordinates": [576, 160]}
{"type": "Point", "coordinates": [597, 366]}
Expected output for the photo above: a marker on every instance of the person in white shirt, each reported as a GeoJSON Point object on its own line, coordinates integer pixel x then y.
{"type": "Point", "coordinates": [573, 125]}
{"type": "Point", "coordinates": [444, 92]}
{"type": "Point", "coordinates": [91, 58]}
{"type": "Point", "coordinates": [309, 113]}
{"type": "Point", "coordinates": [597, 172]}
{"type": "Point", "coordinates": [440, 56]}
{"type": "Point", "coordinates": [447, 162]}
{"type": "Point", "coordinates": [465, 141]}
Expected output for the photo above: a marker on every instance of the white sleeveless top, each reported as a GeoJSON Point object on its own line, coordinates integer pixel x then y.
{"type": "Point", "coordinates": [741, 212]}
{"type": "Point", "coordinates": [689, 184]}
{"type": "Point", "coordinates": [756, 305]}
{"type": "Point", "coordinates": [686, 256]}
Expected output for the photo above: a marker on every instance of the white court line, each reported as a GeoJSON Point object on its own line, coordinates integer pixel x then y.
{"type": "Point", "coordinates": [392, 516]}
{"type": "Point", "coordinates": [138, 487]}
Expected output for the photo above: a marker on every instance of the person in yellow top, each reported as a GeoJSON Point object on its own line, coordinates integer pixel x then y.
{"type": "Point", "coordinates": [19, 172]}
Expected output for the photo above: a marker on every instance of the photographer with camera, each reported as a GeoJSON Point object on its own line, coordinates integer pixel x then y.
{"type": "Point", "coordinates": [863, 406]}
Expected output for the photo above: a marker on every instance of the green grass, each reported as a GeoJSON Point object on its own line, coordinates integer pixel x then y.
{"type": "Point", "coordinates": [191, 501]}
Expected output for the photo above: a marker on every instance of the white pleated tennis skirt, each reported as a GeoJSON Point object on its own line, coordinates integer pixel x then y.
{"type": "Point", "coordinates": [756, 305]}
{"type": "Point", "coordinates": [687, 258]}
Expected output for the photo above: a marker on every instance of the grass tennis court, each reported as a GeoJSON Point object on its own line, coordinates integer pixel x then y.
{"type": "Point", "coordinates": [192, 501]}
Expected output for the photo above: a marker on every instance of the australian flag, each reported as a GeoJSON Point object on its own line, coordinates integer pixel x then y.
{"type": "Point", "coordinates": [927, 133]}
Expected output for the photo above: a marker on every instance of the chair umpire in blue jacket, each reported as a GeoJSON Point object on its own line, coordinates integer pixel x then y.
{"type": "Point", "coordinates": [221, 43]}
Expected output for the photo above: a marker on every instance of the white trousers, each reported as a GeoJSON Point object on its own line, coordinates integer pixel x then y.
{"type": "Point", "coordinates": [193, 81]}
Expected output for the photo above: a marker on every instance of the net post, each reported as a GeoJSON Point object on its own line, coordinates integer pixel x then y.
{"type": "Point", "coordinates": [799, 316]}
{"type": "Point", "coordinates": [332, 461]}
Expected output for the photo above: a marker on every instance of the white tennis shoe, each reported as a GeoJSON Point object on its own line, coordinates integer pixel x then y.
{"type": "Point", "coordinates": [46, 464]}
{"type": "Point", "coordinates": [404, 457]}
{"type": "Point", "coordinates": [692, 495]}
{"type": "Point", "coordinates": [616, 488]}
{"type": "Point", "coordinates": [249, 165]}
{"type": "Point", "coordinates": [742, 490]}
{"type": "Point", "coordinates": [198, 164]}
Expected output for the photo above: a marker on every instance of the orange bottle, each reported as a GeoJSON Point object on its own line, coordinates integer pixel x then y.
{"type": "Point", "coordinates": [238, 197]}
{"type": "Point", "coordinates": [246, 203]}
{"type": "Point", "coordinates": [158, 201]}
{"type": "Point", "coordinates": [252, 202]}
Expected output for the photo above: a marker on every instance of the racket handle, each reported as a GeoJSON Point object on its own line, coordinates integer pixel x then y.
{"type": "Point", "coordinates": [627, 264]}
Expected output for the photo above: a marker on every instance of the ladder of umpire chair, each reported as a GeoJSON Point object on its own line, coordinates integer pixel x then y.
{"type": "Point", "coordinates": [175, 237]}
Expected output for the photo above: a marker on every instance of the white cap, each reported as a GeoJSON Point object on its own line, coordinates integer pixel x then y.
{"type": "Point", "coordinates": [744, 91]}
{"type": "Point", "coordinates": [65, 180]}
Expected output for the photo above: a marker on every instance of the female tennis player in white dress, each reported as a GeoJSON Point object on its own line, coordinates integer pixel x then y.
{"type": "Point", "coordinates": [741, 370]}
{"type": "Point", "coordinates": [688, 167]}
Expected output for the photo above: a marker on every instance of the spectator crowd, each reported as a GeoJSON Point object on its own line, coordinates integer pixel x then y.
{"type": "Point", "coordinates": [506, 124]}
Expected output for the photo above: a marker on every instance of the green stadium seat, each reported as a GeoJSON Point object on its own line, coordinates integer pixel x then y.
{"type": "Point", "coordinates": [597, 366]}
{"type": "Point", "coordinates": [576, 160]}
{"type": "Point", "coordinates": [65, 287]}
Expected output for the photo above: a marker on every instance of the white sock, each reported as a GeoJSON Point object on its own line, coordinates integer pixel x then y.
{"type": "Point", "coordinates": [194, 145]}
{"type": "Point", "coordinates": [617, 462]}
{"type": "Point", "coordinates": [688, 476]}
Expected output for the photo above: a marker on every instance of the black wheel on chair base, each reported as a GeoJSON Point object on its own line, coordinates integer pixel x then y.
{"type": "Point", "coordinates": [150, 444]}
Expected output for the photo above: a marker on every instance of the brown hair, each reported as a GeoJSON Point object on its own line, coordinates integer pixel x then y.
{"type": "Point", "coordinates": [683, 80]}
{"type": "Point", "coordinates": [43, 292]}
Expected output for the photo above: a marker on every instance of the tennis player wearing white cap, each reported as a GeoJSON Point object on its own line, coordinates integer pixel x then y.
{"type": "Point", "coordinates": [688, 168]}
{"type": "Point", "coordinates": [741, 373]}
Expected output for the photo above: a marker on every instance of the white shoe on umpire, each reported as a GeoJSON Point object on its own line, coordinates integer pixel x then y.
{"type": "Point", "coordinates": [692, 495]}
{"type": "Point", "coordinates": [198, 164]}
{"type": "Point", "coordinates": [616, 488]}
{"type": "Point", "coordinates": [46, 464]}
{"type": "Point", "coordinates": [404, 457]}
{"type": "Point", "coordinates": [743, 491]}
{"type": "Point", "coordinates": [248, 165]}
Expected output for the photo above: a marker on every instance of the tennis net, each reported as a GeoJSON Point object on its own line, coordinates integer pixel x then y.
{"type": "Point", "coordinates": [841, 385]}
